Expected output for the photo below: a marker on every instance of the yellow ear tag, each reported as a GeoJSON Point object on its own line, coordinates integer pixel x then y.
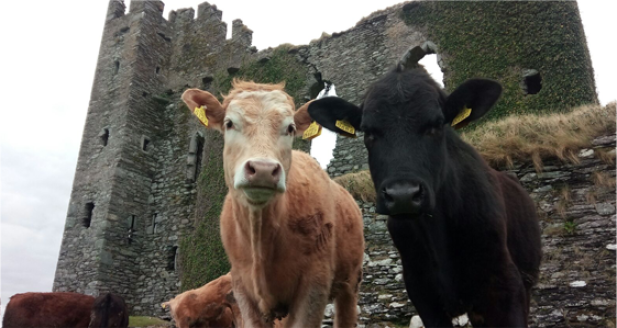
{"type": "Point", "coordinates": [462, 115]}
{"type": "Point", "coordinates": [345, 126]}
{"type": "Point", "coordinates": [313, 131]}
{"type": "Point", "coordinates": [200, 112]}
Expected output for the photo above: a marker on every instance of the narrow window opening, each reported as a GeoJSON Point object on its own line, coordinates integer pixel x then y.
{"type": "Point", "coordinates": [316, 87]}
{"type": "Point", "coordinates": [206, 82]}
{"type": "Point", "coordinates": [131, 230]}
{"type": "Point", "coordinates": [154, 222]}
{"type": "Point", "coordinates": [116, 67]}
{"type": "Point", "coordinates": [104, 136]}
{"type": "Point", "coordinates": [199, 156]}
{"type": "Point", "coordinates": [172, 252]}
{"type": "Point", "coordinates": [158, 69]}
{"type": "Point", "coordinates": [532, 81]}
{"type": "Point", "coordinates": [145, 94]}
{"type": "Point", "coordinates": [87, 219]}
{"type": "Point", "coordinates": [145, 143]}
{"type": "Point", "coordinates": [431, 64]}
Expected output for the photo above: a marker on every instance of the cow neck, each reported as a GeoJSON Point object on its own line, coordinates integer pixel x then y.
{"type": "Point", "coordinates": [262, 227]}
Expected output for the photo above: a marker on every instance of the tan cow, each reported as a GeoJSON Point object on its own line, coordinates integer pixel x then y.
{"type": "Point", "coordinates": [211, 305]}
{"type": "Point", "coordinates": [293, 237]}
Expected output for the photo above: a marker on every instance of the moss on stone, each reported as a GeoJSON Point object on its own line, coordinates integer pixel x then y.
{"type": "Point", "coordinates": [497, 39]}
{"type": "Point", "coordinates": [202, 257]}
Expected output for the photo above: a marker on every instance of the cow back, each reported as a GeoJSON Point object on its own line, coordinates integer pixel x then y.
{"type": "Point", "coordinates": [40, 310]}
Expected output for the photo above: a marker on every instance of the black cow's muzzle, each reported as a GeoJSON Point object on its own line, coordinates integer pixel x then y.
{"type": "Point", "coordinates": [402, 198]}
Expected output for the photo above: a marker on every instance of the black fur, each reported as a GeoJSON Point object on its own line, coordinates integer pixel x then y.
{"type": "Point", "coordinates": [109, 310]}
{"type": "Point", "coordinates": [473, 245]}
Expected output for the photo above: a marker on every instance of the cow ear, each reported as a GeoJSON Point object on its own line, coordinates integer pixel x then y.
{"type": "Point", "coordinates": [335, 114]}
{"type": "Point", "coordinates": [229, 297]}
{"type": "Point", "coordinates": [302, 119]}
{"type": "Point", "coordinates": [470, 101]}
{"type": "Point", "coordinates": [205, 107]}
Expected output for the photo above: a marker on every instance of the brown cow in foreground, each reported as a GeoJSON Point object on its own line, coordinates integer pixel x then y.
{"type": "Point", "coordinates": [293, 237]}
{"type": "Point", "coordinates": [211, 305]}
{"type": "Point", "coordinates": [66, 310]}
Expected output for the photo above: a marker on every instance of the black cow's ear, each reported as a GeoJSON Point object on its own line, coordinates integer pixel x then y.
{"type": "Point", "coordinates": [327, 111]}
{"type": "Point", "coordinates": [470, 101]}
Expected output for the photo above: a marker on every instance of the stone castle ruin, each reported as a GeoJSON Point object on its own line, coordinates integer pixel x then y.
{"type": "Point", "coordinates": [143, 214]}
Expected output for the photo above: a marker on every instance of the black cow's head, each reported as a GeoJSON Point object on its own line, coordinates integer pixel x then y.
{"type": "Point", "coordinates": [406, 119]}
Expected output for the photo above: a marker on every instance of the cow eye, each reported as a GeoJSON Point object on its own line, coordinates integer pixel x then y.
{"type": "Point", "coordinates": [291, 129]}
{"type": "Point", "coordinates": [433, 131]}
{"type": "Point", "coordinates": [229, 124]}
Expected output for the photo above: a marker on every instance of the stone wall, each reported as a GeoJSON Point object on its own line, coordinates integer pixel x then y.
{"type": "Point", "coordinates": [576, 205]}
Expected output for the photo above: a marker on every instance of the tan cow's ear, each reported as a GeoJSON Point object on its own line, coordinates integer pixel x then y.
{"type": "Point", "coordinates": [205, 107]}
{"type": "Point", "coordinates": [302, 119]}
{"type": "Point", "coordinates": [229, 297]}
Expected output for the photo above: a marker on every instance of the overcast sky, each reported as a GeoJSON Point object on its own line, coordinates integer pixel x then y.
{"type": "Point", "coordinates": [48, 68]}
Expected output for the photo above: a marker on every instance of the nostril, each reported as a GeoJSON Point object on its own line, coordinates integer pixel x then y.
{"type": "Point", "coordinates": [387, 196]}
{"type": "Point", "coordinates": [276, 171]}
{"type": "Point", "coordinates": [417, 194]}
{"type": "Point", "coordinates": [249, 168]}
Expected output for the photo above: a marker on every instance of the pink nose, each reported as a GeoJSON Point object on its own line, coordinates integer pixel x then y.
{"type": "Point", "coordinates": [261, 173]}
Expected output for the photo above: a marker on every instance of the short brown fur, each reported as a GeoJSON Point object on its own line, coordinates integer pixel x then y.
{"type": "Point", "coordinates": [315, 254]}
{"type": "Point", "coordinates": [305, 245]}
{"type": "Point", "coordinates": [211, 305]}
{"type": "Point", "coordinates": [39, 310]}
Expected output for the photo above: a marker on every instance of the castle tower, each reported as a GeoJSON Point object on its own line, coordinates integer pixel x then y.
{"type": "Point", "coordinates": [135, 185]}
{"type": "Point", "coordinates": [109, 201]}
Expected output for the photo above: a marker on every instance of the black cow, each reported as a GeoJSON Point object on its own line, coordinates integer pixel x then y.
{"type": "Point", "coordinates": [109, 310]}
{"type": "Point", "coordinates": [468, 235]}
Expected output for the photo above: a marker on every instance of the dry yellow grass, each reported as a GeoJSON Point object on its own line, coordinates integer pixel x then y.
{"type": "Point", "coordinates": [359, 185]}
{"type": "Point", "coordinates": [523, 138]}
{"type": "Point", "coordinates": [602, 181]}
{"type": "Point", "coordinates": [538, 137]}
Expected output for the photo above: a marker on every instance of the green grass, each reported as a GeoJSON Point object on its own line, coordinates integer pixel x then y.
{"type": "Point", "coordinates": [147, 322]}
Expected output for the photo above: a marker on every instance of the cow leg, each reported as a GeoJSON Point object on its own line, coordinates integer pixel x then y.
{"type": "Point", "coordinates": [507, 302]}
{"type": "Point", "coordinates": [308, 310]}
{"type": "Point", "coordinates": [251, 316]}
{"type": "Point", "coordinates": [345, 304]}
{"type": "Point", "coordinates": [425, 298]}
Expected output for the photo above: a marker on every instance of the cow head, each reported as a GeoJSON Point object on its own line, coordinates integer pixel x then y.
{"type": "Point", "coordinates": [109, 311]}
{"type": "Point", "coordinates": [259, 123]}
{"type": "Point", "coordinates": [407, 123]}
{"type": "Point", "coordinates": [212, 305]}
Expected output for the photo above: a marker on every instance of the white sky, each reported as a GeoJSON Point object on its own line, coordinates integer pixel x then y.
{"type": "Point", "coordinates": [49, 57]}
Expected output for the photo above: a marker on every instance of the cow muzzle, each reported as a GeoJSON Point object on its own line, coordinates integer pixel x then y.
{"type": "Point", "coordinates": [402, 198]}
{"type": "Point", "coordinates": [260, 179]}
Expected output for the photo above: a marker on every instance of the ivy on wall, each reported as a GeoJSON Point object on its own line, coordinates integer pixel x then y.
{"type": "Point", "coordinates": [498, 39]}
{"type": "Point", "coordinates": [202, 256]}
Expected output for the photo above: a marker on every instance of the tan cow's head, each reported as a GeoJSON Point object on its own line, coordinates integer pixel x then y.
{"type": "Point", "coordinates": [259, 123]}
